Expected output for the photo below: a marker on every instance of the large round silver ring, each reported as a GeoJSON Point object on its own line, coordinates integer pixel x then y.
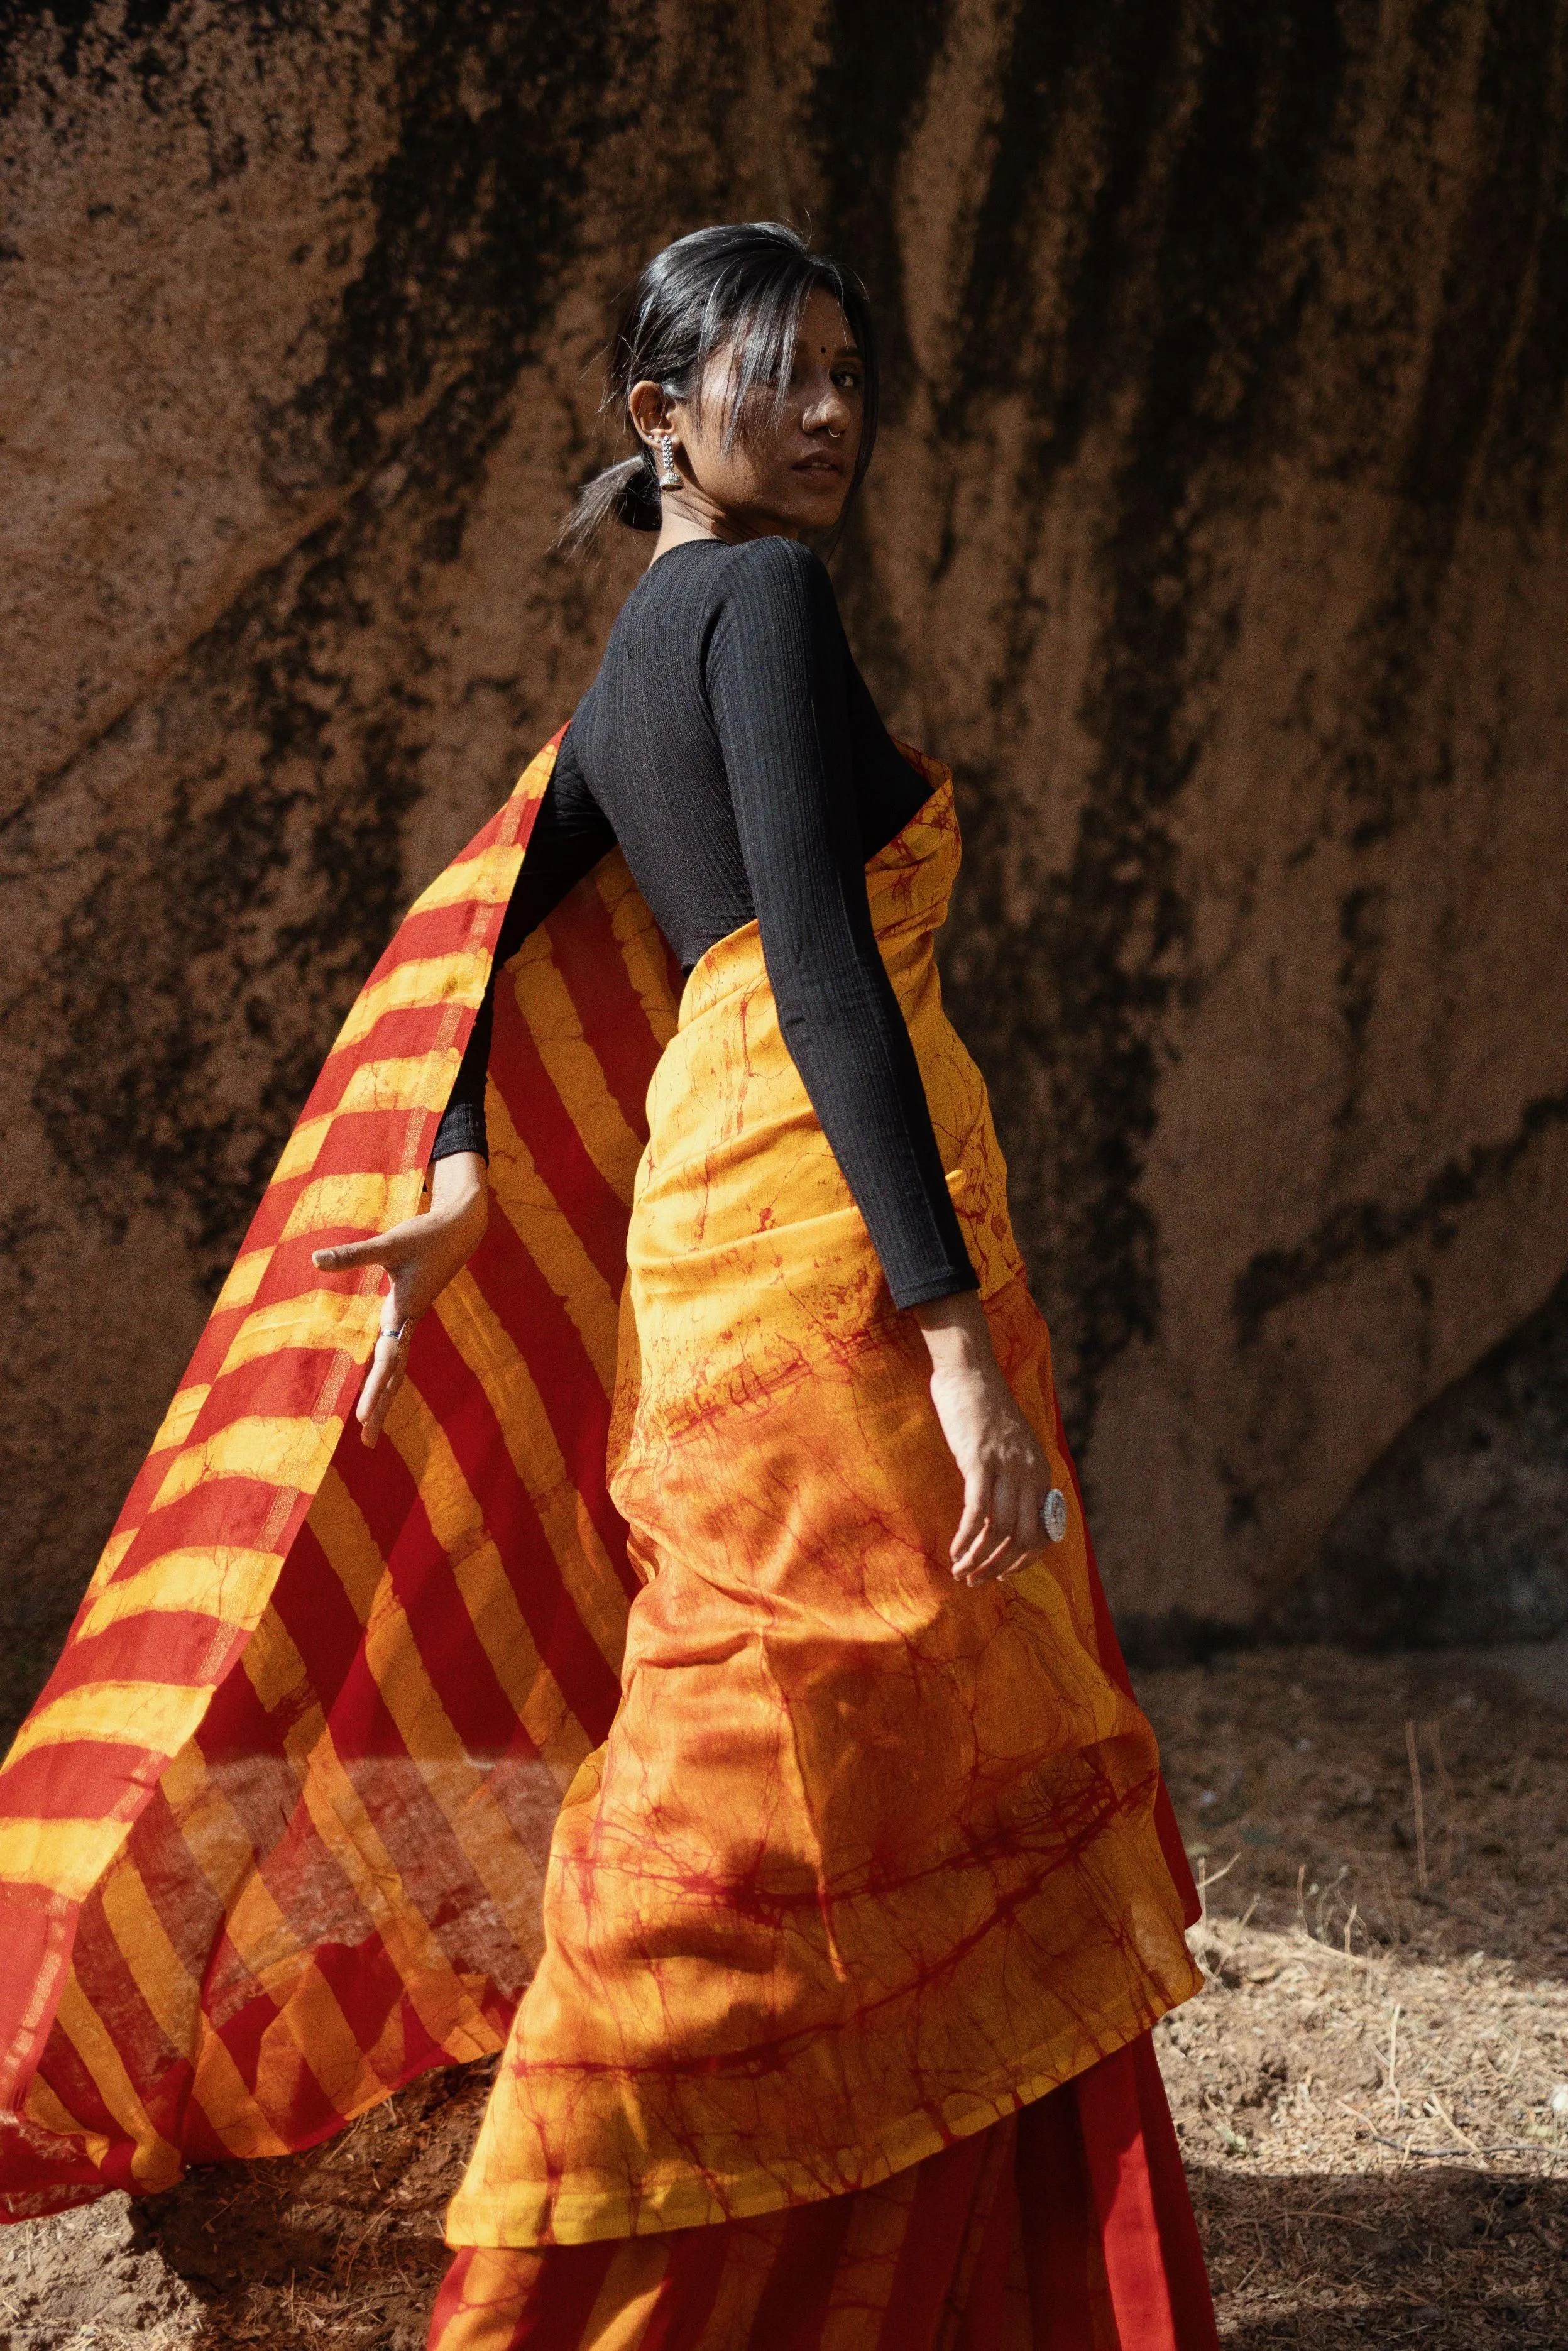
{"type": "Point", "coordinates": [1054, 1515]}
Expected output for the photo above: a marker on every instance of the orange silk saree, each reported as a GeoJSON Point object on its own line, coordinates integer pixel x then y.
{"type": "Point", "coordinates": [628, 1669]}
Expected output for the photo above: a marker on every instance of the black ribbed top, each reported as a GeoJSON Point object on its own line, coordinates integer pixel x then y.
{"type": "Point", "coordinates": [731, 746]}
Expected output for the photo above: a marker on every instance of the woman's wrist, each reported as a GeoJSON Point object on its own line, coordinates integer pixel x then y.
{"type": "Point", "coordinates": [458, 1182]}
{"type": "Point", "coordinates": [955, 1332]}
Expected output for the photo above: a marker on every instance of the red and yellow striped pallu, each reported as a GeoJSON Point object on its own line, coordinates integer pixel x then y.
{"type": "Point", "coordinates": [274, 1838]}
{"type": "Point", "coordinates": [271, 1839]}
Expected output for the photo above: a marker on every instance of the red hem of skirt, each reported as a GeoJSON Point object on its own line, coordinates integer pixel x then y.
{"type": "Point", "coordinates": [1090, 2229]}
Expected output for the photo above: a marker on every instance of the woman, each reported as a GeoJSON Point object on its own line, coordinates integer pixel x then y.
{"type": "Point", "coordinates": [730, 746]}
{"type": "Point", "coordinates": [860, 1905]}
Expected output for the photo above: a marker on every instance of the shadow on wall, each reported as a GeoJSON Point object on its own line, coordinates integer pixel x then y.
{"type": "Point", "coordinates": [1458, 1536]}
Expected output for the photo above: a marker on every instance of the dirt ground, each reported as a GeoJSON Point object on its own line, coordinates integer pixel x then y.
{"type": "Point", "coordinates": [1371, 2093]}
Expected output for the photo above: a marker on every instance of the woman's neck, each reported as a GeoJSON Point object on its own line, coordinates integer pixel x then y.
{"type": "Point", "coordinates": [692, 518]}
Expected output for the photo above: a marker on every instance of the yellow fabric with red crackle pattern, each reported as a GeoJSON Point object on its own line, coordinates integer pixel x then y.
{"type": "Point", "coordinates": [867, 1859]}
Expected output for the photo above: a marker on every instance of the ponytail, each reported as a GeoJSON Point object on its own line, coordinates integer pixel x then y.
{"type": "Point", "coordinates": [627, 493]}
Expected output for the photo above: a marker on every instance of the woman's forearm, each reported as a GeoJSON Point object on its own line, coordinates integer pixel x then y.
{"type": "Point", "coordinates": [456, 1181]}
{"type": "Point", "coordinates": [955, 1332]}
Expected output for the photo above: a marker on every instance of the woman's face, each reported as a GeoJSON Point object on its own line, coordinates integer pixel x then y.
{"type": "Point", "coordinates": [782, 473]}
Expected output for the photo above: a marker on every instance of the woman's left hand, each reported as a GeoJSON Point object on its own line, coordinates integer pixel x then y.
{"type": "Point", "coordinates": [1005, 1475]}
{"type": "Point", "coordinates": [422, 1255]}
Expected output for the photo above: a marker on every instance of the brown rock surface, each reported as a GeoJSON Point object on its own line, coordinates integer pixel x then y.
{"type": "Point", "coordinates": [1458, 1535]}
{"type": "Point", "coordinates": [1219, 538]}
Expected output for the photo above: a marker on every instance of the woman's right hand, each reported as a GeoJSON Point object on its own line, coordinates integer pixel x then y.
{"type": "Point", "coordinates": [421, 1255]}
{"type": "Point", "coordinates": [1005, 1475]}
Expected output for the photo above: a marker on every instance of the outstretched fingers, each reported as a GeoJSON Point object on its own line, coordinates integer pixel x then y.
{"type": "Point", "coordinates": [395, 1251]}
{"type": "Point", "coordinates": [388, 1249]}
{"type": "Point", "coordinates": [389, 1364]}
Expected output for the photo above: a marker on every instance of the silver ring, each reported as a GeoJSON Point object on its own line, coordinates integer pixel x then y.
{"type": "Point", "coordinates": [1054, 1515]}
{"type": "Point", "coordinates": [398, 1337]}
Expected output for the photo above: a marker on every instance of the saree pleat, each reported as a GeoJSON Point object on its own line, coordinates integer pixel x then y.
{"type": "Point", "coordinates": [321, 1775]}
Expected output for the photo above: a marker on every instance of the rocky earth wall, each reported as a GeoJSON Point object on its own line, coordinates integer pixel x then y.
{"type": "Point", "coordinates": [1219, 536]}
{"type": "Point", "coordinates": [1458, 1536]}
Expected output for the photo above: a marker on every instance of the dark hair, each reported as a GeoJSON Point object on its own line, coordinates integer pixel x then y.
{"type": "Point", "coordinates": [741, 286]}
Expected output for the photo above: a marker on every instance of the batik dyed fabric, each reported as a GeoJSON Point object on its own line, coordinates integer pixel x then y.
{"type": "Point", "coordinates": [867, 1859]}
{"type": "Point", "coordinates": [1066, 2228]}
{"type": "Point", "coordinates": [274, 1837]}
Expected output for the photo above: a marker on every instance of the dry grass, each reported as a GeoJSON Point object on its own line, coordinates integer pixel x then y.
{"type": "Point", "coordinates": [339, 2247]}
{"type": "Point", "coordinates": [1364, 2091]}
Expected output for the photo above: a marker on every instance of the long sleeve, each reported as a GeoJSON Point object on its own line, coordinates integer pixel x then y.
{"type": "Point", "coordinates": [777, 672]}
{"type": "Point", "coordinates": [571, 835]}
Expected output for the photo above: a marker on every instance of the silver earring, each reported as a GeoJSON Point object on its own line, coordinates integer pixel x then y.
{"type": "Point", "coordinates": [669, 479]}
